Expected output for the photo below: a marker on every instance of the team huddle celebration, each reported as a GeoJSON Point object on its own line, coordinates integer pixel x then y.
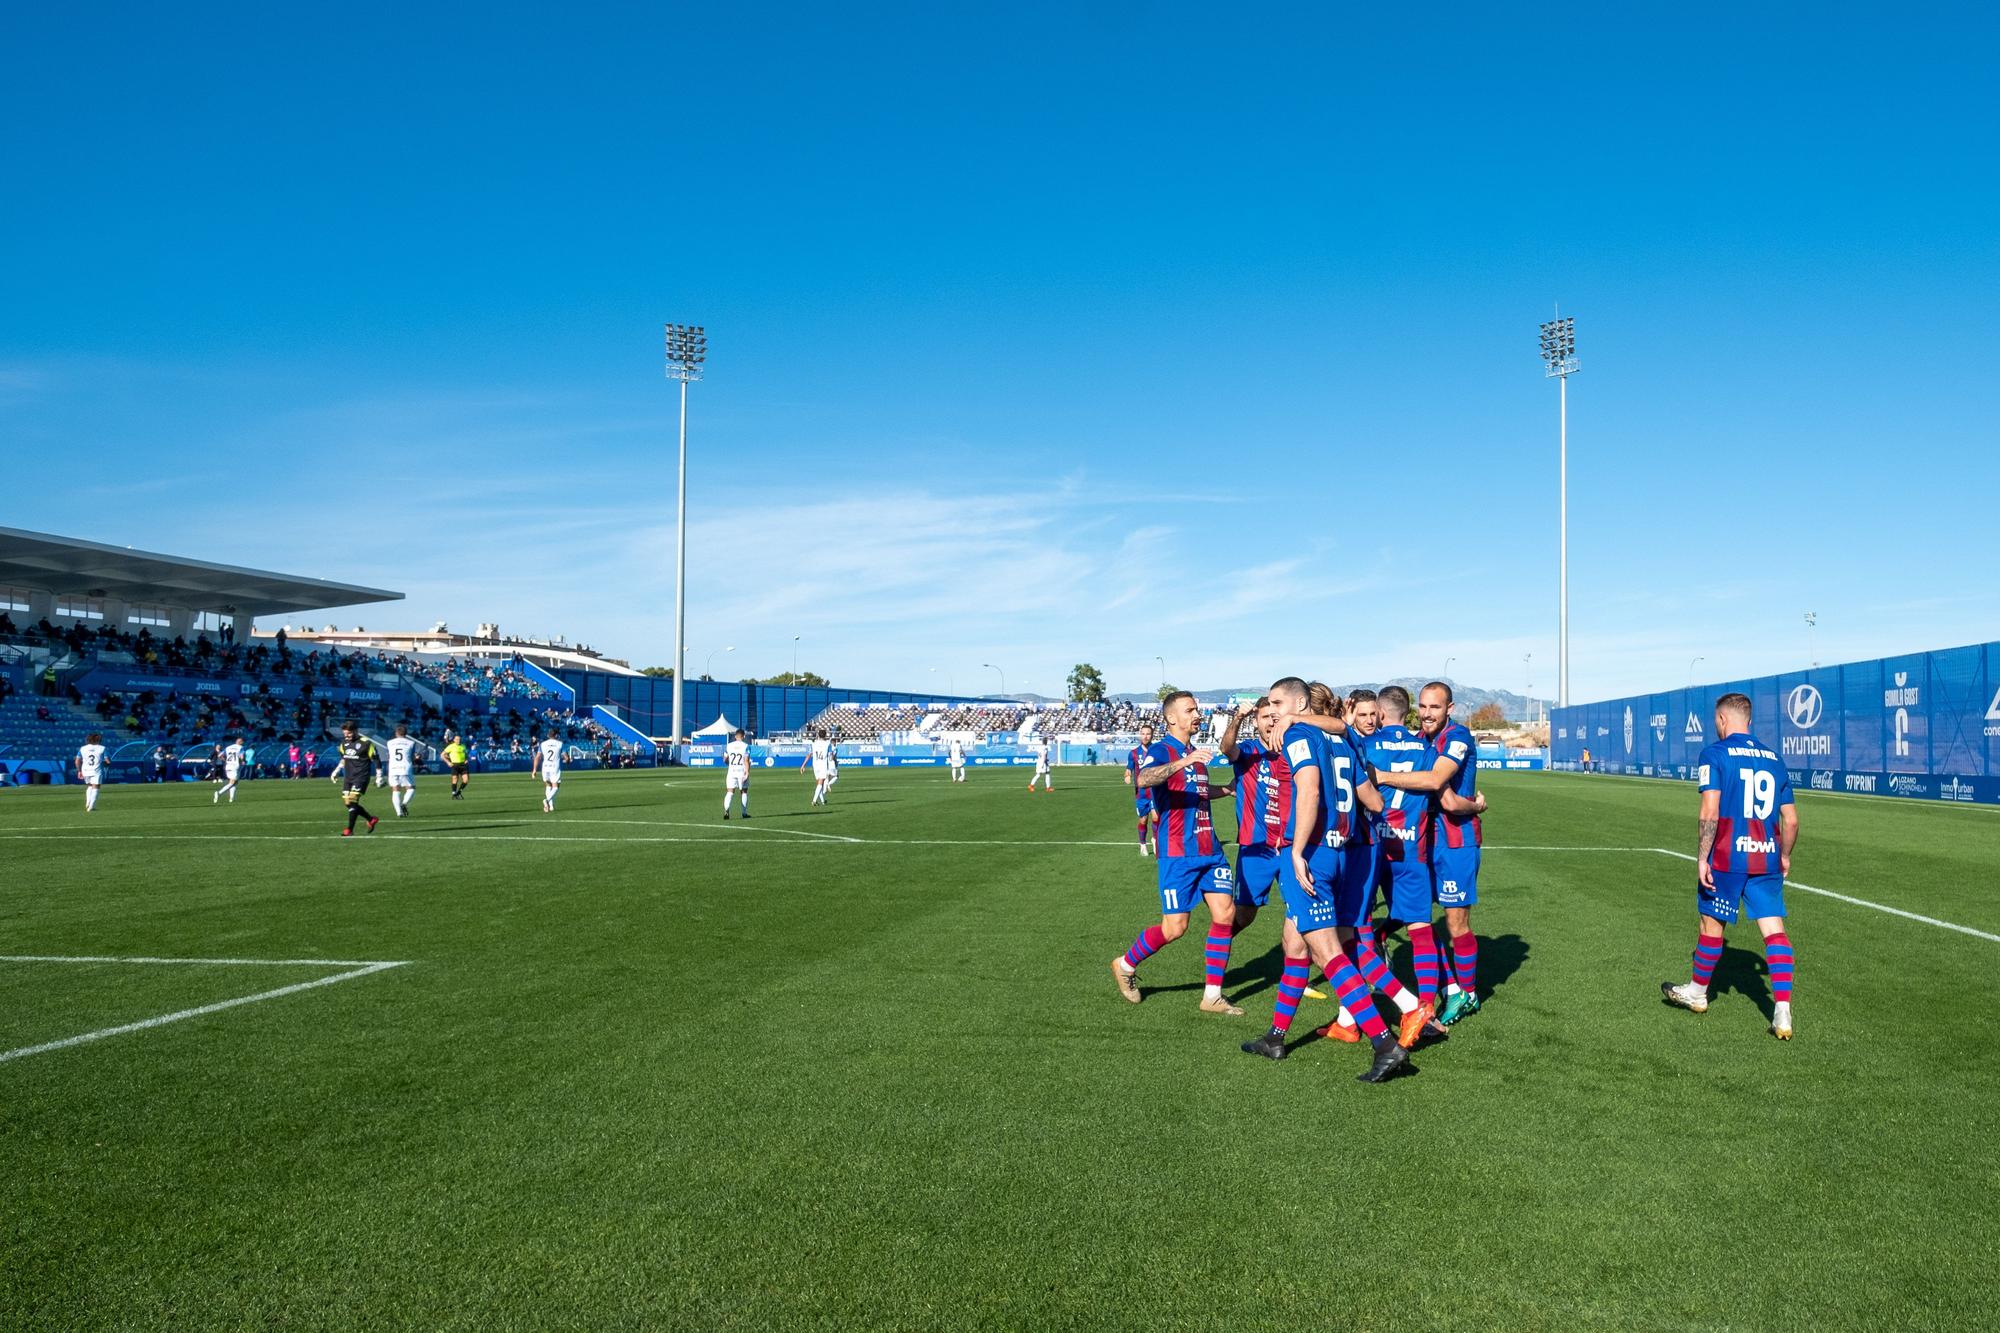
{"type": "Point", "coordinates": [1345, 808]}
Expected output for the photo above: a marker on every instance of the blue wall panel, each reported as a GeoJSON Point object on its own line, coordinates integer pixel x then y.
{"type": "Point", "coordinates": [1918, 724]}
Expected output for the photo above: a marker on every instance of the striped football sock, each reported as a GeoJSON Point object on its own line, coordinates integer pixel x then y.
{"type": "Point", "coordinates": [1216, 956]}
{"type": "Point", "coordinates": [1707, 953]}
{"type": "Point", "coordinates": [1149, 942]}
{"type": "Point", "coordinates": [1423, 948]}
{"type": "Point", "coordinates": [1466, 964]}
{"type": "Point", "coordinates": [1353, 993]}
{"type": "Point", "coordinates": [1778, 961]}
{"type": "Point", "coordinates": [1291, 985]}
{"type": "Point", "coordinates": [1377, 974]}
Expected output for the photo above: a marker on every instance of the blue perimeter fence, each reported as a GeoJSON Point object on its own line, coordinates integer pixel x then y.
{"type": "Point", "coordinates": [1923, 725]}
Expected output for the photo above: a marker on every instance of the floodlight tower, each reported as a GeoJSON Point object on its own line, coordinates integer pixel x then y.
{"type": "Point", "coordinates": [687, 348]}
{"type": "Point", "coordinates": [1559, 352]}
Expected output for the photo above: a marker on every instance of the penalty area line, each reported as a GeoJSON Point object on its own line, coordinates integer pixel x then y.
{"type": "Point", "coordinates": [196, 1012]}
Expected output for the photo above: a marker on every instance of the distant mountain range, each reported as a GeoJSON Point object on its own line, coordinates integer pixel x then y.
{"type": "Point", "coordinates": [1470, 698]}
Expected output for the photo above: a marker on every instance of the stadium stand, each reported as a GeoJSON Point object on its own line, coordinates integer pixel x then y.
{"type": "Point", "coordinates": [985, 719]}
{"type": "Point", "coordinates": [157, 666]}
{"type": "Point", "coordinates": [1096, 719]}
{"type": "Point", "coordinates": [847, 722]}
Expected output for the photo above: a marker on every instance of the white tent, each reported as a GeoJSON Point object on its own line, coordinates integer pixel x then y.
{"type": "Point", "coordinates": [722, 726]}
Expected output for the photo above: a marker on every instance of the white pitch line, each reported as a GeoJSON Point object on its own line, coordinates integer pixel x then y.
{"type": "Point", "coordinates": [196, 1012]}
{"type": "Point", "coordinates": [1801, 792]}
{"type": "Point", "coordinates": [405, 841]}
{"type": "Point", "coordinates": [736, 830]}
{"type": "Point", "coordinates": [1504, 847]}
{"type": "Point", "coordinates": [1859, 902]}
{"type": "Point", "coordinates": [205, 962]}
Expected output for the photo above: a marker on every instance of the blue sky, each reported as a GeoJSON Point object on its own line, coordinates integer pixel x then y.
{"type": "Point", "coordinates": [1038, 334]}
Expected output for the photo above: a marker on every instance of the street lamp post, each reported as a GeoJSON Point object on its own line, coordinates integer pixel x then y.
{"type": "Point", "coordinates": [795, 659]}
{"type": "Point", "coordinates": [1163, 669]}
{"type": "Point", "coordinates": [1528, 670]}
{"type": "Point", "coordinates": [1692, 662]}
{"type": "Point", "coordinates": [711, 659]}
{"type": "Point", "coordinates": [1445, 675]}
{"type": "Point", "coordinates": [686, 350]}
{"type": "Point", "coordinates": [1559, 352]}
{"type": "Point", "coordinates": [1003, 676]}
{"type": "Point", "coordinates": [950, 684]}
{"type": "Point", "coordinates": [1812, 650]}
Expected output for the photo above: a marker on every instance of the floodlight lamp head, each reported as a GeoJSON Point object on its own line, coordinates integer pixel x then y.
{"type": "Point", "coordinates": [686, 349]}
{"type": "Point", "coordinates": [1559, 346]}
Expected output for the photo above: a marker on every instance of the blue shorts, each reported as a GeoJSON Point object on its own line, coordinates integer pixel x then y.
{"type": "Point", "coordinates": [1455, 875]}
{"type": "Point", "coordinates": [1306, 912]}
{"type": "Point", "coordinates": [1143, 802]}
{"type": "Point", "coordinates": [1184, 879]}
{"type": "Point", "coordinates": [1758, 895]}
{"type": "Point", "coordinates": [1355, 894]}
{"type": "Point", "coordinates": [1406, 881]}
{"type": "Point", "coordinates": [1256, 872]}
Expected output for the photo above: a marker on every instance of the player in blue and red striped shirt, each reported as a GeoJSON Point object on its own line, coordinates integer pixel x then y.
{"type": "Point", "coordinates": [1263, 806]}
{"type": "Point", "coordinates": [1309, 880]}
{"type": "Point", "coordinates": [1142, 797]}
{"type": "Point", "coordinates": [1394, 748]}
{"type": "Point", "coordinates": [1192, 866]}
{"type": "Point", "coordinates": [1749, 825]}
{"type": "Point", "coordinates": [1449, 839]}
{"type": "Point", "coordinates": [1358, 825]}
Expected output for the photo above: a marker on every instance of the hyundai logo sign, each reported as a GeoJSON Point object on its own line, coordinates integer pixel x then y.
{"type": "Point", "coordinates": [1804, 706]}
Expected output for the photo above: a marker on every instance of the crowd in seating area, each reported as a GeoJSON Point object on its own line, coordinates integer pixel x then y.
{"type": "Point", "coordinates": [863, 724]}
{"type": "Point", "coordinates": [203, 656]}
{"type": "Point", "coordinates": [868, 723]}
{"type": "Point", "coordinates": [274, 660]}
{"type": "Point", "coordinates": [470, 677]}
{"type": "Point", "coordinates": [1103, 719]}
{"type": "Point", "coordinates": [984, 718]}
{"type": "Point", "coordinates": [194, 719]}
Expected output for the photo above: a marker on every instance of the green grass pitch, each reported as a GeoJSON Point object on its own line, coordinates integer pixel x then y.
{"type": "Point", "coordinates": [865, 1067]}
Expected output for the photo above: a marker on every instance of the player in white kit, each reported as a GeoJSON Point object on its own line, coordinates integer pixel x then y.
{"type": "Point", "coordinates": [955, 752]}
{"type": "Point", "coordinates": [402, 769]}
{"type": "Point", "coordinates": [90, 768]}
{"type": "Point", "coordinates": [822, 762]}
{"type": "Point", "coordinates": [548, 761]}
{"type": "Point", "coordinates": [736, 761]}
{"type": "Point", "coordinates": [1042, 767]}
{"type": "Point", "coordinates": [232, 769]}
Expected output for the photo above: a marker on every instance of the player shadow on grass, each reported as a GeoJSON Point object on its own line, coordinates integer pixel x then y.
{"type": "Point", "coordinates": [1247, 976]}
{"type": "Point", "coordinates": [1743, 971]}
{"type": "Point", "coordinates": [1500, 957]}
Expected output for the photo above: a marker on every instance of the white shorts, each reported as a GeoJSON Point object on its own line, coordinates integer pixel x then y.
{"type": "Point", "coordinates": [1041, 770]}
{"type": "Point", "coordinates": [735, 780]}
{"type": "Point", "coordinates": [822, 772]}
{"type": "Point", "coordinates": [231, 772]}
{"type": "Point", "coordinates": [552, 776]}
{"type": "Point", "coordinates": [402, 777]}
